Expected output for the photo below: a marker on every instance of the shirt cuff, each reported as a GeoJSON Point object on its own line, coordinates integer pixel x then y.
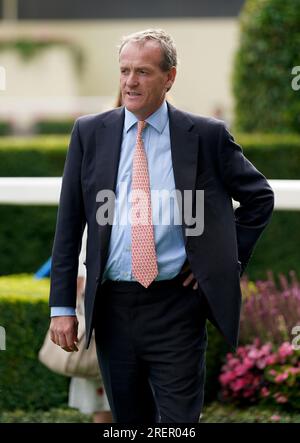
{"type": "Point", "coordinates": [59, 311]}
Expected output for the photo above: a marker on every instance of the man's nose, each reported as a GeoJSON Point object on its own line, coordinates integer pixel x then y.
{"type": "Point", "coordinates": [132, 79]}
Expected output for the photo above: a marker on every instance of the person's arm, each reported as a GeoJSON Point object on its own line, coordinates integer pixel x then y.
{"type": "Point", "coordinates": [67, 243]}
{"type": "Point", "coordinates": [249, 187]}
{"type": "Point", "coordinates": [59, 311]}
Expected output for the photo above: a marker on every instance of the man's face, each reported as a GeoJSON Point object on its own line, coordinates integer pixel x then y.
{"type": "Point", "coordinates": [143, 83]}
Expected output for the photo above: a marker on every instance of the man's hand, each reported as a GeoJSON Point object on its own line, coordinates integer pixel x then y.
{"type": "Point", "coordinates": [63, 332]}
{"type": "Point", "coordinates": [190, 278]}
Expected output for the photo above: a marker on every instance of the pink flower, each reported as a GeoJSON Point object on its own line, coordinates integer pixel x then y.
{"type": "Point", "coordinates": [248, 362]}
{"type": "Point", "coordinates": [238, 384]}
{"type": "Point", "coordinates": [285, 350]}
{"type": "Point", "coordinates": [275, 417]}
{"type": "Point", "coordinates": [281, 399]}
{"type": "Point", "coordinates": [248, 393]}
{"type": "Point", "coordinates": [271, 359]}
{"type": "Point", "coordinates": [241, 351]}
{"type": "Point", "coordinates": [249, 378]}
{"type": "Point", "coordinates": [227, 377]}
{"type": "Point", "coordinates": [254, 353]}
{"type": "Point", "coordinates": [264, 392]}
{"type": "Point", "coordinates": [244, 377]}
{"type": "Point", "coordinates": [256, 381]}
{"type": "Point", "coordinates": [233, 362]}
{"type": "Point", "coordinates": [261, 363]}
{"type": "Point", "coordinates": [281, 377]}
{"type": "Point", "coordinates": [266, 349]}
{"type": "Point", "coordinates": [256, 342]}
{"type": "Point", "coordinates": [240, 369]}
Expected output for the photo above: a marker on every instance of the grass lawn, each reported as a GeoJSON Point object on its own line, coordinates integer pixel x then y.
{"type": "Point", "coordinates": [213, 413]}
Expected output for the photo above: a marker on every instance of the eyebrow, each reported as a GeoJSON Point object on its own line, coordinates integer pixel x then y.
{"type": "Point", "coordinates": [138, 67]}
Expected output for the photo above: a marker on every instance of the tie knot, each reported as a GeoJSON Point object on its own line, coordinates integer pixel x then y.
{"type": "Point", "coordinates": [141, 126]}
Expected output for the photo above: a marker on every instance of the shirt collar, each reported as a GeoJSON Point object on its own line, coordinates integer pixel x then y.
{"type": "Point", "coordinates": [157, 120]}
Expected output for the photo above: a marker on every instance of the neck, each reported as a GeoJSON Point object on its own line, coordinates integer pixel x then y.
{"type": "Point", "coordinates": [145, 115]}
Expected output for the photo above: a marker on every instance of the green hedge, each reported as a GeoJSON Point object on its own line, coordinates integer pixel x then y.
{"type": "Point", "coordinates": [268, 50]}
{"type": "Point", "coordinates": [278, 248]}
{"type": "Point", "coordinates": [42, 127]}
{"type": "Point", "coordinates": [54, 126]}
{"type": "Point", "coordinates": [26, 237]}
{"type": "Point", "coordinates": [44, 156]}
{"type": "Point", "coordinates": [24, 382]}
{"type": "Point", "coordinates": [5, 128]}
{"type": "Point", "coordinates": [276, 156]}
{"type": "Point", "coordinates": [41, 156]}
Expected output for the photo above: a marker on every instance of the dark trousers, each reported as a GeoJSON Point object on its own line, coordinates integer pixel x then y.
{"type": "Point", "coordinates": [151, 347]}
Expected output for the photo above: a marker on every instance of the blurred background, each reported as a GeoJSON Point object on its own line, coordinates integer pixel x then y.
{"type": "Point", "coordinates": [238, 61]}
{"type": "Point", "coordinates": [65, 54]}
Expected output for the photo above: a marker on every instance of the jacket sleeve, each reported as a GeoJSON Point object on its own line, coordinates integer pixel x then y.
{"type": "Point", "coordinates": [69, 228]}
{"type": "Point", "coordinates": [246, 185]}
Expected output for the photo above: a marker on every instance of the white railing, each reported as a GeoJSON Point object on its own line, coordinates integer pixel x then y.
{"type": "Point", "coordinates": [30, 190]}
{"type": "Point", "coordinates": [46, 191]}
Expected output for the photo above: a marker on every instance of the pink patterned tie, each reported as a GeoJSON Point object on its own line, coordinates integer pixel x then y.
{"type": "Point", "coordinates": [144, 262]}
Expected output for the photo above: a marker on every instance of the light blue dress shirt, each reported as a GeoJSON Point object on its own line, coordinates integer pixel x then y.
{"type": "Point", "coordinates": [169, 241]}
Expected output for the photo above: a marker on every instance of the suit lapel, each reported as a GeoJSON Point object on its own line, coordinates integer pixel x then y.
{"type": "Point", "coordinates": [108, 149]}
{"type": "Point", "coordinates": [184, 149]}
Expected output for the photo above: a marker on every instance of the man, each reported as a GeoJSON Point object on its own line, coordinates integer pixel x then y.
{"type": "Point", "coordinates": [151, 286]}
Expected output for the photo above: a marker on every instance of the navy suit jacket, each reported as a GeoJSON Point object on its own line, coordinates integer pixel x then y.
{"type": "Point", "coordinates": [204, 157]}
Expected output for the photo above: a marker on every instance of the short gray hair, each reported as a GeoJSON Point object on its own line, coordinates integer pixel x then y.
{"type": "Point", "coordinates": [165, 41]}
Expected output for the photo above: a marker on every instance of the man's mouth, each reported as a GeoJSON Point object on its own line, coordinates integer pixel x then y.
{"type": "Point", "coordinates": [133, 94]}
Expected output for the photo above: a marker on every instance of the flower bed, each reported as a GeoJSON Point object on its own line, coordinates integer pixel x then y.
{"type": "Point", "coordinates": [266, 367]}
{"type": "Point", "coordinates": [259, 374]}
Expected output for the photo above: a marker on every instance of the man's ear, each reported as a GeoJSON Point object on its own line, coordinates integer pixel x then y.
{"type": "Point", "coordinates": [171, 78]}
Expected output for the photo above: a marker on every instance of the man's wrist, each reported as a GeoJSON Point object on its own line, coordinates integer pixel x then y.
{"type": "Point", "coordinates": [60, 311]}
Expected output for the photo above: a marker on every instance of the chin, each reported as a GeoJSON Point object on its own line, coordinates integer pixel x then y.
{"type": "Point", "coordinates": [131, 107]}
